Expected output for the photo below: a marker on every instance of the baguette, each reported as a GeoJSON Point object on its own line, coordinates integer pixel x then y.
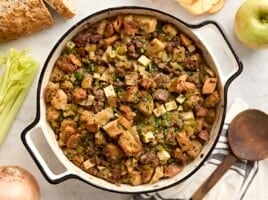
{"type": "Point", "coordinates": [65, 8]}
{"type": "Point", "coordinates": [22, 17]}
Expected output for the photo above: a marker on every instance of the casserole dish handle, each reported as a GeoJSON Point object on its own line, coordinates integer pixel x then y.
{"type": "Point", "coordinates": [210, 33]}
{"type": "Point", "coordinates": [30, 137]}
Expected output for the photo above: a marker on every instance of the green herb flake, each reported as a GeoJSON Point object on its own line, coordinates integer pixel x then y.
{"type": "Point", "coordinates": [78, 75]}
{"type": "Point", "coordinates": [91, 67]}
{"type": "Point", "coordinates": [142, 51]}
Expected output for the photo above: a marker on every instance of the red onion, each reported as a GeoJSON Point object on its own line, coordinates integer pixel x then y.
{"type": "Point", "coordinates": [16, 183]}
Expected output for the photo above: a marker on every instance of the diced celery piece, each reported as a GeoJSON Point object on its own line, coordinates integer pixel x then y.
{"type": "Point", "coordinates": [159, 111]}
{"type": "Point", "coordinates": [147, 137]}
{"type": "Point", "coordinates": [109, 91]}
{"type": "Point", "coordinates": [144, 60]}
{"type": "Point", "coordinates": [188, 115]}
{"type": "Point", "coordinates": [163, 155]}
{"type": "Point", "coordinates": [171, 105]}
{"type": "Point", "coordinates": [180, 99]}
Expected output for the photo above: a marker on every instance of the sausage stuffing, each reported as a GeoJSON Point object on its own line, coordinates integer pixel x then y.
{"type": "Point", "coordinates": [131, 99]}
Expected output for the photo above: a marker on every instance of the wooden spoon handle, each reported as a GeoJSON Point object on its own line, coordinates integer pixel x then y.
{"type": "Point", "coordinates": [228, 161]}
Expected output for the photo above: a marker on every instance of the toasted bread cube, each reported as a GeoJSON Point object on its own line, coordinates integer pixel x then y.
{"type": "Point", "coordinates": [178, 154]}
{"type": "Point", "coordinates": [109, 91]}
{"type": "Point", "coordinates": [146, 104]}
{"type": "Point", "coordinates": [112, 128]}
{"type": "Point", "coordinates": [147, 23]}
{"type": "Point", "coordinates": [118, 22]}
{"type": "Point", "coordinates": [159, 173]}
{"type": "Point", "coordinates": [147, 174]}
{"type": "Point", "coordinates": [113, 152]}
{"type": "Point", "coordinates": [104, 116]}
{"type": "Point", "coordinates": [110, 41]}
{"type": "Point", "coordinates": [131, 94]}
{"type": "Point", "coordinates": [212, 100]}
{"type": "Point", "coordinates": [170, 30]}
{"type": "Point", "coordinates": [59, 100]}
{"type": "Point", "coordinates": [130, 144]}
{"type": "Point", "coordinates": [184, 142]}
{"type": "Point", "coordinates": [127, 112]}
{"type": "Point", "coordinates": [87, 116]}
{"type": "Point", "coordinates": [159, 111]}
{"type": "Point", "coordinates": [144, 60]}
{"type": "Point", "coordinates": [209, 85]}
{"type": "Point", "coordinates": [171, 105]}
{"type": "Point", "coordinates": [92, 127]}
{"type": "Point", "coordinates": [156, 46]}
{"type": "Point", "coordinates": [124, 122]}
{"type": "Point", "coordinates": [147, 83]}
{"type": "Point", "coordinates": [185, 40]}
{"type": "Point", "coordinates": [131, 78]}
{"type": "Point", "coordinates": [196, 149]}
{"type": "Point", "coordinates": [135, 177]}
{"type": "Point", "coordinates": [72, 141]}
{"type": "Point", "coordinates": [75, 60]}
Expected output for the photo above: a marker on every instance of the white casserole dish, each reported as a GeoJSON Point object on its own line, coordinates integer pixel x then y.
{"type": "Point", "coordinates": [219, 55]}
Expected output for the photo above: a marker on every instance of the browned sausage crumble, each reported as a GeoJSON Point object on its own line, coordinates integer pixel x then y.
{"type": "Point", "coordinates": [131, 99]}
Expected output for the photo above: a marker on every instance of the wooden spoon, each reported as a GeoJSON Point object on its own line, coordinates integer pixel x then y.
{"type": "Point", "coordinates": [248, 139]}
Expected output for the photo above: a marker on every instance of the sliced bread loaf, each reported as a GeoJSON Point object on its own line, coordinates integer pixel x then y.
{"type": "Point", "coordinates": [22, 17]}
{"type": "Point", "coordinates": [66, 8]}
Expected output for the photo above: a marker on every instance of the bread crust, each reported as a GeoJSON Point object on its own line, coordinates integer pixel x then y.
{"type": "Point", "coordinates": [63, 7]}
{"type": "Point", "coordinates": [22, 17]}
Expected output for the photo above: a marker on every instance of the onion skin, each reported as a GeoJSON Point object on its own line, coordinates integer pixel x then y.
{"type": "Point", "coordinates": [17, 183]}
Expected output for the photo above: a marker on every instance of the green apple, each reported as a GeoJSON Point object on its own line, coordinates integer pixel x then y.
{"type": "Point", "coordinates": [251, 23]}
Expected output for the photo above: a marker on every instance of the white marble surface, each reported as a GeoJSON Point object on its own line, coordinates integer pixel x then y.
{"type": "Point", "coordinates": [250, 85]}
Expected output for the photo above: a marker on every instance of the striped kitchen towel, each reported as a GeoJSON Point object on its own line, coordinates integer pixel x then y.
{"type": "Point", "coordinates": [246, 180]}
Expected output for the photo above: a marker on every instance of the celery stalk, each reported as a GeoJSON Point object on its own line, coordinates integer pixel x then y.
{"type": "Point", "coordinates": [17, 73]}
